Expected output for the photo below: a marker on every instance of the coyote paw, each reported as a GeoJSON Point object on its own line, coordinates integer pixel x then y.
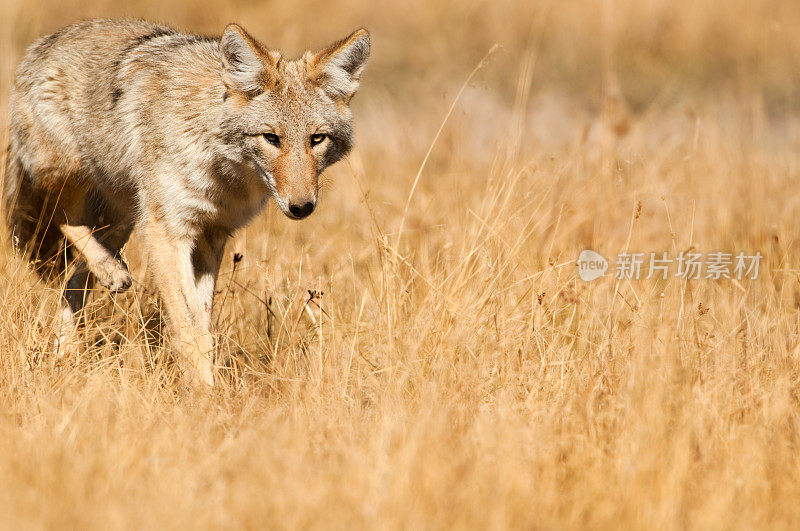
{"type": "Point", "coordinates": [112, 274]}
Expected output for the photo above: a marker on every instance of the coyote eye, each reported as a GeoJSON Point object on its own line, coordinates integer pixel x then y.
{"type": "Point", "coordinates": [316, 139]}
{"type": "Point", "coordinates": [273, 139]}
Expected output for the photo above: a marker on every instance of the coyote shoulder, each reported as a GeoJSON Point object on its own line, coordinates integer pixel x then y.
{"type": "Point", "coordinates": [116, 124]}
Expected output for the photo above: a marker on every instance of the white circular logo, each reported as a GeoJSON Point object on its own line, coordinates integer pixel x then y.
{"type": "Point", "coordinates": [591, 265]}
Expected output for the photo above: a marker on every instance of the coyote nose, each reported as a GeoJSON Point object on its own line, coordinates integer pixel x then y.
{"type": "Point", "coordinates": [301, 210]}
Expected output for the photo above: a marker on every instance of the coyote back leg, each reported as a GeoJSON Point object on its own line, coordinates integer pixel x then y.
{"type": "Point", "coordinates": [73, 299]}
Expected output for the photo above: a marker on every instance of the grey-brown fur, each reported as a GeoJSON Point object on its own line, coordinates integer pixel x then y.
{"type": "Point", "coordinates": [116, 124]}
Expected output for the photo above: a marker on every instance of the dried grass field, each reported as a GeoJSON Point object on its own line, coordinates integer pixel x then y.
{"type": "Point", "coordinates": [421, 352]}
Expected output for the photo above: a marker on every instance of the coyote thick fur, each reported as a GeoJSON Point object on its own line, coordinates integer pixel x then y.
{"type": "Point", "coordinates": [116, 124]}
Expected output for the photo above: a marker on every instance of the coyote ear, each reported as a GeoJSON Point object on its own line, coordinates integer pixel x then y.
{"type": "Point", "coordinates": [247, 66]}
{"type": "Point", "coordinates": [338, 67]}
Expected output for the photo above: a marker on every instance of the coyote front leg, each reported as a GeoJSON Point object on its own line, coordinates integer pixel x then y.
{"type": "Point", "coordinates": [95, 254]}
{"type": "Point", "coordinates": [101, 260]}
{"type": "Point", "coordinates": [184, 271]}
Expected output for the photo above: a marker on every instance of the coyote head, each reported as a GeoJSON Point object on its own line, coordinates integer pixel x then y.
{"type": "Point", "coordinates": [290, 119]}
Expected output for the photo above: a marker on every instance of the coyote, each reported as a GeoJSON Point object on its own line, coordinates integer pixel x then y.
{"type": "Point", "coordinates": [116, 124]}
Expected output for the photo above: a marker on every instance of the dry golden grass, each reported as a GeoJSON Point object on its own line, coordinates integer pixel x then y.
{"type": "Point", "coordinates": [458, 374]}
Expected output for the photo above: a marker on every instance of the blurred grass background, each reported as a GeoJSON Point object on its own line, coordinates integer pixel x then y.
{"type": "Point", "coordinates": [659, 50]}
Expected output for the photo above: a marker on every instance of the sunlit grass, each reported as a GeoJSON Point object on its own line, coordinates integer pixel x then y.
{"type": "Point", "coordinates": [458, 374]}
